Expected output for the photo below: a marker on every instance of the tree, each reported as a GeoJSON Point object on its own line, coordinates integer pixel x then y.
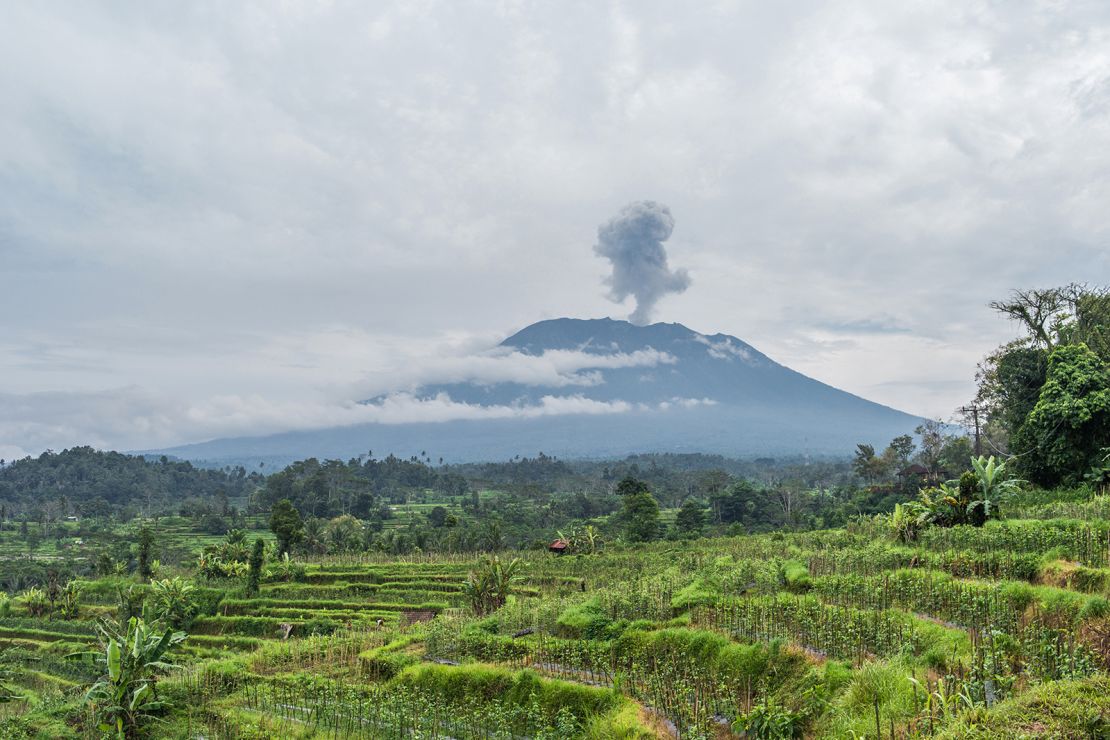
{"type": "Point", "coordinates": [589, 540]}
{"type": "Point", "coordinates": [1070, 424]}
{"type": "Point", "coordinates": [641, 516]}
{"type": "Point", "coordinates": [901, 449]}
{"type": "Point", "coordinates": [1091, 325]}
{"type": "Point", "coordinates": [287, 525]}
{"type": "Point", "coordinates": [146, 553]}
{"type": "Point", "coordinates": [630, 485]}
{"type": "Point", "coordinates": [995, 483]}
{"type": "Point", "coordinates": [1040, 312]}
{"type": "Point", "coordinates": [1010, 381]}
{"type": "Point", "coordinates": [344, 533]}
{"type": "Point", "coordinates": [932, 446]}
{"type": "Point", "coordinates": [868, 465]}
{"type": "Point", "coordinates": [1099, 474]}
{"type": "Point", "coordinates": [690, 519]}
{"type": "Point", "coordinates": [254, 576]}
{"type": "Point", "coordinates": [437, 517]}
{"type": "Point", "coordinates": [1011, 378]}
{"type": "Point", "coordinates": [70, 598]}
{"type": "Point", "coordinates": [32, 538]}
{"type": "Point", "coordinates": [133, 656]}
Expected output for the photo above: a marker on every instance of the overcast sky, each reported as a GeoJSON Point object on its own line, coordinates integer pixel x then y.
{"type": "Point", "coordinates": [219, 218]}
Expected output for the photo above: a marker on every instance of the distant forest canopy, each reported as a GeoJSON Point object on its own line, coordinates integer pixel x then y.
{"type": "Point", "coordinates": [405, 506]}
{"type": "Point", "coordinates": [85, 481]}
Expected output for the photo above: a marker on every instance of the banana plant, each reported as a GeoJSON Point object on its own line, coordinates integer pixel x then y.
{"type": "Point", "coordinates": [1099, 474]}
{"type": "Point", "coordinates": [994, 482]}
{"type": "Point", "coordinates": [487, 588]}
{"type": "Point", "coordinates": [6, 694]}
{"type": "Point", "coordinates": [172, 601]}
{"type": "Point", "coordinates": [126, 698]}
{"type": "Point", "coordinates": [591, 539]}
{"type": "Point", "coordinates": [70, 601]}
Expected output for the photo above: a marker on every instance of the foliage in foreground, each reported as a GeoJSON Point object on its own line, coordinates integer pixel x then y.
{"type": "Point", "coordinates": [125, 699]}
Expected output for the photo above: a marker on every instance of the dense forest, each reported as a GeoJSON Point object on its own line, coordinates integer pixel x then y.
{"type": "Point", "coordinates": [87, 482]}
{"type": "Point", "coordinates": [404, 505]}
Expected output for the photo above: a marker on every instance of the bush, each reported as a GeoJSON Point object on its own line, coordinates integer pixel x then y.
{"type": "Point", "coordinates": [795, 577]}
{"type": "Point", "coordinates": [584, 620]}
{"type": "Point", "coordinates": [482, 684]}
{"type": "Point", "coordinates": [699, 592]}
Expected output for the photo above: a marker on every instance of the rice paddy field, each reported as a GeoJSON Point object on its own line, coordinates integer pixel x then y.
{"type": "Point", "coordinates": [999, 631]}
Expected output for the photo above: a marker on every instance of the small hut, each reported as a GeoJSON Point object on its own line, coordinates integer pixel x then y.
{"type": "Point", "coordinates": [559, 547]}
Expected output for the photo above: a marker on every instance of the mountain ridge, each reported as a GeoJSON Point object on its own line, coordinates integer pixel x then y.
{"type": "Point", "coordinates": [654, 388]}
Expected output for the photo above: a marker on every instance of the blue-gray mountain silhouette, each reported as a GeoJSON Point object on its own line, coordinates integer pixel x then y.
{"type": "Point", "coordinates": [713, 394]}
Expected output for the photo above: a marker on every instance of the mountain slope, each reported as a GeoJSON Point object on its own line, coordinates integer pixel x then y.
{"type": "Point", "coordinates": [621, 389]}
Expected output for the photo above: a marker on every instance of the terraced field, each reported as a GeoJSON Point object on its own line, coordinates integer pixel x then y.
{"type": "Point", "coordinates": [990, 632]}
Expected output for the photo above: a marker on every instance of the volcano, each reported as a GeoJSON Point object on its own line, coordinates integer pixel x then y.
{"type": "Point", "coordinates": [634, 389]}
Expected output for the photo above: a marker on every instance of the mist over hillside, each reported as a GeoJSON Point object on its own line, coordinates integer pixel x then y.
{"type": "Point", "coordinates": [655, 388]}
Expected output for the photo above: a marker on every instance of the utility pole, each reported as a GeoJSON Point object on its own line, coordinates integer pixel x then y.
{"type": "Point", "coordinates": [974, 410]}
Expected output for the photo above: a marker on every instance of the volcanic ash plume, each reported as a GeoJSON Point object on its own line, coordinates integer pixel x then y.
{"type": "Point", "coordinates": [633, 241]}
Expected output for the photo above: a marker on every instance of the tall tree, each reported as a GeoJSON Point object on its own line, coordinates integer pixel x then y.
{"type": "Point", "coordinates": [690, 519]}
{"type": "Point", "coordinates": [146, 553]}
{"type": "Point", "coordinates": [1040, 311]}
{"type": "Point", "coordinates": [868, 465]}
{"type": "Point", "coordinates": [287, 525]}
{"type": "Point", "coordinates": [630, 485]}
{"type": "Point", "coordinates": [641, 516]}
{"type": "Point", "coordinates": [901, 449]}
{"type": "Point", "coordinates": [254, 575]}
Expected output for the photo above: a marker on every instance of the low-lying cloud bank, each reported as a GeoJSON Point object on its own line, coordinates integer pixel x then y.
{"type": "Point", "coordinates": [551, 369]}
{"type": "Point", "coordinates": [137, 417]}
{"type": "Point", "coordinates": [130, 418]}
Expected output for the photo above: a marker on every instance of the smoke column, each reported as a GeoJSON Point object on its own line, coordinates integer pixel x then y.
{"type": "Point", "coordinates": [633, 242]}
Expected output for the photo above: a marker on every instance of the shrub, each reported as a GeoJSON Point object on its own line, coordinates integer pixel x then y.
{"type": "Point", "coordinates": [699, 592]}
{"type": "Point", "coordinates": [482, 684]}
{"type": "Point", "coordinates": [795, 577]}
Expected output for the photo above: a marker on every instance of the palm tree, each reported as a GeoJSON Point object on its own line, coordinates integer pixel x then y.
{"type": "Point", "coordinates": [314, 536]}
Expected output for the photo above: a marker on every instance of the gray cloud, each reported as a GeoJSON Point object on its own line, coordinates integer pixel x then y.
{"type": "Point", "coordinates": [210, 199]}
{"type": "Point", "coordinates": [633, 242]}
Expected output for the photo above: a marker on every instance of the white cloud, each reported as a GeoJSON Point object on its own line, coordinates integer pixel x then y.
{"type": "Point", "coordinates": [686, 403]}
{"type": "Point", "coordinates": [11, 452]}
{"type": "Point", "coordinates": [725, 349]}
{"type": "Point", "coordinates": [551, 369]}
{"type": "Point", "coordinates": [129, 418]}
